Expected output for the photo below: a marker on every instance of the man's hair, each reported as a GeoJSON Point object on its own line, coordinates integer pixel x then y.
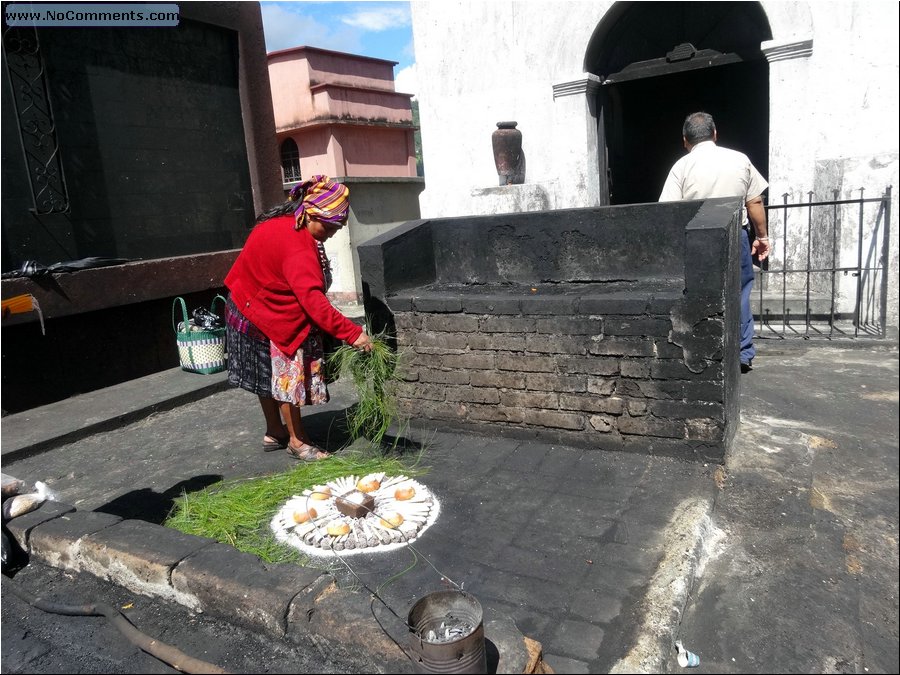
{"type": "Point", "coordinates": [698, 127]}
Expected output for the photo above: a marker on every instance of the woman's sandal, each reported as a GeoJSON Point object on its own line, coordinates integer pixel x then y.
{"type": "Point", "coordinates": [272, 443]}
{"type": "Point", "coordinates": [307, 453]}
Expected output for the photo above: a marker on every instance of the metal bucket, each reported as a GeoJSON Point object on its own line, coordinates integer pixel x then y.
{"type": "Point", "coordinates": [447, 633]}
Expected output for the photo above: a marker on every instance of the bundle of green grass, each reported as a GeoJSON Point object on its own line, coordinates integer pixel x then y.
{"type": "Point", "coordinates": [374, 374]}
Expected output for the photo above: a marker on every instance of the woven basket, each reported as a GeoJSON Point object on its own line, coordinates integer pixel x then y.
{"type": "Point", "coordinates": [200, 350]}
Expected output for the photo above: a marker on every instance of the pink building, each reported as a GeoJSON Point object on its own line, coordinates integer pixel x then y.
{"type": "Point", "coordinates": [338, 114]}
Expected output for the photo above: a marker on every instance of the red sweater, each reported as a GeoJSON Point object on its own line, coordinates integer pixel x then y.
{"type": "Point", "coordinates": [277, 283]}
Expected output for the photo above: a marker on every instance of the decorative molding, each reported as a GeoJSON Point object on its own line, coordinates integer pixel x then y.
{"type": "Point", "coordinates": [779, 50]}
{"type": "Point", "coordinates": [586, 85]}
{"type": "Point", "coordinates": [37, 128]}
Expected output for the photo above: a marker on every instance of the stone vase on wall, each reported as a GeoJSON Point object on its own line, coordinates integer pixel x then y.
{"type": "Point", "coordinates": [508, 156]}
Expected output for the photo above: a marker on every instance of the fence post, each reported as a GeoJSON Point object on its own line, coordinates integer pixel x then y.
{"type": "Point", "coordinates": [886, 207]}
{"type": "Point", "coordinates": [834, 257]}
{"type": "Point", "coordinates": [859, 253]}
{"type": "Point", "coordinates": [808, 260]}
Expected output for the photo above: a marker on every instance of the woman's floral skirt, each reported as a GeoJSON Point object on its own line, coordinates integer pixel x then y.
{"type": "Point", "coordinates": [258, 366]}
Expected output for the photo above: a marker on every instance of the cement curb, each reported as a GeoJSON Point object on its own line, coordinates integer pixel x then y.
{"type": "Point", "coordinates": [670, 588]}
{"type": "Point", "coordinates": [283, 601]}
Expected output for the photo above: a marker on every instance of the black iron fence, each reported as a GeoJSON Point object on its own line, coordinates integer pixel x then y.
{"type": "Point", "coordinates": [827, 275]}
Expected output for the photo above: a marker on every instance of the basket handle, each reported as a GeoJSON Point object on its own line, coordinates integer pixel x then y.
{"type": "Point", "coordinates": [212, 305]}
{"type": "Point", "coordinates": [183, 313]}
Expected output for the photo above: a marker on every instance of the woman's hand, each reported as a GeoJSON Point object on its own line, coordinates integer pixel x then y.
{"type": "Point", "coordinates": [363, 342]}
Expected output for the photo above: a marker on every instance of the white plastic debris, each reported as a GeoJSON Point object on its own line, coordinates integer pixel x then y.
{"type": "Point", "coordinates": [686, 659]}
{"type": "Point", "coordinates": [22, 504]}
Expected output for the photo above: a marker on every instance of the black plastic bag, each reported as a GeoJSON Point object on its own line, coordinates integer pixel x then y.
{"type": "Point", "coordinates": [204, 318]}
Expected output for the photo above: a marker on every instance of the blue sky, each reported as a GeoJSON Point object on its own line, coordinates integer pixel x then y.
{"type": "Point", "coordinates": [381, 28]}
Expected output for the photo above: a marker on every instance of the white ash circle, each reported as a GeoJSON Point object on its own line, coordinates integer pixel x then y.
{"type": "Point", "coordinates": [375, 532]}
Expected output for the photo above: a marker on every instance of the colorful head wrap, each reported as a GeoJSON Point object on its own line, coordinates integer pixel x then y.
{"type": "Point", "coordinates": [321, 198]}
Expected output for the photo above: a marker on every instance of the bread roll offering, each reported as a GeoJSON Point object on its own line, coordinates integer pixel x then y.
{"type": "Point", "coordinates": [336, 529]}
{"type": "Point", "coordinates": [302, 516]}
{"type": "Point", "coordinates": [321, 492]}
{"type": "Point", "coordinates": [367, 485]}
{"type": "Point", "coordinates": [391, 520]}
{"type": "Point", "coordinates": [402, 494]}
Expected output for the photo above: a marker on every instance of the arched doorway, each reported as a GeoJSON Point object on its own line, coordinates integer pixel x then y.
{"type": "Point", "coordinates": [660, 61]}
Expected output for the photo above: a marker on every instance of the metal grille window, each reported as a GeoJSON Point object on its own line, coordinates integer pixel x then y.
{"type": "Point", "coordinates": [290, 161]}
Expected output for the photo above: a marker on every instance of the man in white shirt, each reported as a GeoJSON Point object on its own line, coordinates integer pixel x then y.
{"type": "Point", "coordinates": [710, 171]}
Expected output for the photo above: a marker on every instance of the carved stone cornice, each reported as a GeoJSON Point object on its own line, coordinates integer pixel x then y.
{"type": "Point", "coordinates": [586, 85]}
{"type": "Point", "coordinates": [780, 50]}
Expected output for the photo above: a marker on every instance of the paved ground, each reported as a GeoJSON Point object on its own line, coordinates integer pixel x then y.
{"type": "Point", "coordinates": [39, 642]}
{"type": "Point", "coordinates": [802, 570]}
{"type": "Point", "coordinates": [793, 543]}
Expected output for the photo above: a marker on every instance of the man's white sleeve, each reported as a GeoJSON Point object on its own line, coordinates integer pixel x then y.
{"type": "Point", "coordinates": [756, 184]}
{"type": "Point", "coordinates": [671, 191]}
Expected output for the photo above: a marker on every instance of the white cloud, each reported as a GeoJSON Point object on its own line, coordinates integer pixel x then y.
{"type": "Point", "coordinates": [379, 19]}
{"type": "Point", "coordinates": [285, 29]}
{"type": "Point", "coordinates": [406, 81]}
{"type": "Point", "coordinates": [409, 51]}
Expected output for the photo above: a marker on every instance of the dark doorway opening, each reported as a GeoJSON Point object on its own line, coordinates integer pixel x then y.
{"type": "Point", "coordinates": [642, 121]}
{"type": "Point", "coordinates": [659, 62]}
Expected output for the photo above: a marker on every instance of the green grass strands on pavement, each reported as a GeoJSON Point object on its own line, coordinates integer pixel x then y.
{"type": "Point", "coordinates": [238, 512]}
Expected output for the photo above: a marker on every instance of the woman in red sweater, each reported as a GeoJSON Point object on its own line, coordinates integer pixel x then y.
{"type": "Point", "coordinates": [277, 311]}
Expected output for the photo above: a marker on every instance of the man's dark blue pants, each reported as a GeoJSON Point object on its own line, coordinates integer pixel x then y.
{"type": "Point", "coordinates": [748, 351]}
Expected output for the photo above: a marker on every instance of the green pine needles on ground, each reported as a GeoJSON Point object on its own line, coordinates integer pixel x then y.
{"type": "Point", "coordinates": [238, 512]}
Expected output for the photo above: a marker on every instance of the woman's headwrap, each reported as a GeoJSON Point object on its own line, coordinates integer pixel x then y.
{"type": "Point", "coordinates": [321, 198]}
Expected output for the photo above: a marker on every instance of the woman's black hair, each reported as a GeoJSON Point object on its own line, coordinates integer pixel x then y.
{"type": "Point", "coordinates": [284, 209]}
{"type": "Point", "coordinates": [287, 207]}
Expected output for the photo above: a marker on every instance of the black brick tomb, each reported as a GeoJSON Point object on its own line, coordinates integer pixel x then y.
{"type": "Point", "coordinates": [611, 327]}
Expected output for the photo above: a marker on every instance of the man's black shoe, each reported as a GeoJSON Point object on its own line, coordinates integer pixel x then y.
{"type": "Point", "coordinates": [746, 367]}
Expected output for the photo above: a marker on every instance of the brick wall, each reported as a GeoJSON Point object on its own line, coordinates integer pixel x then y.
{"type": "Point", "coordinates": [610, 381]}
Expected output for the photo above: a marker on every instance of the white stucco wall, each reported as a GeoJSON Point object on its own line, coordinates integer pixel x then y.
{"type": "Point", "coordinates": [833, 70]}
{"type": "Point", "coordinates": [483, 62]}
{"type": "Point", "coordinates": [840, 100]}
{"type": "Point", "coordinates": [833, 107]}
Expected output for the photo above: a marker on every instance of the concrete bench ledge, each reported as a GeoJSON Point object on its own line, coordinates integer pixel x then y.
{"type": "Point", "coordinates": [39, 429]}
{"type": "Point", "coordinates": [646, 296]}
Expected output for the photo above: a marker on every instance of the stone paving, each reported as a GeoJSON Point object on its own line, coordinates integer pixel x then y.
{"type": "Point", "coordinates": [595, 554]}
